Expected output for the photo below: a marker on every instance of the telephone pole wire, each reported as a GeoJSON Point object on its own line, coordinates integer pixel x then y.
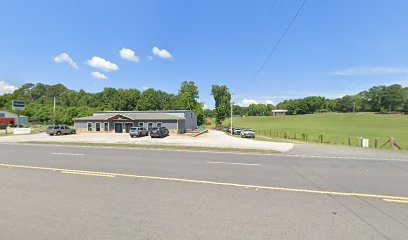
{"type": "Point", "coordinates": [280, 40]}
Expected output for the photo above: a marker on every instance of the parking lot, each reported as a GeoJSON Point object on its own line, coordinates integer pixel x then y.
{"type": "Point", "coordinates": [212, 139]}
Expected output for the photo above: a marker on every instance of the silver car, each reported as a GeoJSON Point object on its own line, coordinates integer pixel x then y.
{"type": "Point", "coordinates": [60, 130]}
{"type": "Point", "coordinates": [248, 133]}
{"type": "Point", "coordinates": [236, 131]}
{"type": "Point", "coordinates": [138, 132]}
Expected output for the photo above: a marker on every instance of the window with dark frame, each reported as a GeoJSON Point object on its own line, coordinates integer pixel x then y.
{"type": "Point", "coordinates": [98, 127]}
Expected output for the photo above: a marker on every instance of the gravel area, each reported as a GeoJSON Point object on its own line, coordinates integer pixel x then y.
{"type": "Point", "coordinates": [212, 139]}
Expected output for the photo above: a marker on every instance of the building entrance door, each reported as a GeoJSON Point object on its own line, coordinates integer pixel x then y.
{"type": "Point", "coordinates": [118, 128]}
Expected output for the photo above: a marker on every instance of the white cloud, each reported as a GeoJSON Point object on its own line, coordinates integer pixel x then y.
{"type": "Point", "coordinates": [162, 53]}
{"type": "Point", "coordinates": [358, 71]}
{"type": "Point", "coordinates": [6, 88]}
{"type": "Point", "coordinates": [129, 55]}
{"type": "Point", "coordinates": [145, 88]}
{"type": "Point", "coordinates": [64, 57]}
{"type": "Point", "coordinates": [246, 102]}
{"type": "Point", "coordinates": [99, 75]}
{"type": "Point", "coordinates": [102, 64]}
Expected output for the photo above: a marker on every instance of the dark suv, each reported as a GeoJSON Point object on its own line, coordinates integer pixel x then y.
{"type": "Point", "coordinates": [60, 130]}
{"type": "Point", "coordinates": [159, 132]}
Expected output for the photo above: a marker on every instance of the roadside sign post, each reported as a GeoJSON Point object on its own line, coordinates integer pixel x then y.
{"type": "Point", "coordinates": [232, 103]}
{"type": "Point", "coordinates": [18, 106]}
{"type": "Point", "coordinates": [18, 119]}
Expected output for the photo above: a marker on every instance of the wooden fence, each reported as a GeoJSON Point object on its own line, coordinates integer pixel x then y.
{"type": "Point", "coordinates": [337, 140]}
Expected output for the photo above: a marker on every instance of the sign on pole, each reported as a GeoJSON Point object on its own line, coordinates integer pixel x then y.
{"type": "Point", "coordinates": [364, 142]}
{"type": "Point", "coordinates": [18, 105]}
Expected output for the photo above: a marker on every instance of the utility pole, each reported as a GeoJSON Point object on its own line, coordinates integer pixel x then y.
{"type": "Point", "coordinates": [232, 103]}
{"type": "Point", "coordinates": [54, 111]}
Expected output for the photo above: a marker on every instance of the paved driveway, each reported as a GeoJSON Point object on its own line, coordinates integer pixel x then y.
{"type": "Point", "coordinates": [214, 139]}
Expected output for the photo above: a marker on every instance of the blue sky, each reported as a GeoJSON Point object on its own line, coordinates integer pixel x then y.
{"type": "Point", "coordinates": [334, 47]}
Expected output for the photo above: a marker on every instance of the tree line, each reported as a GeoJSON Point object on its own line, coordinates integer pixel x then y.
{"type": "Point", "coordinates": [71, 104]}
{"type": "Point", "coordinates": [393, 98]}
{"type": "Point", "coordinates": [376, 99]}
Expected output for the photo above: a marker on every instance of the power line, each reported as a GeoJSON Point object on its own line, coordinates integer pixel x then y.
{"type": "Point", "coordinates": [269, 22]}
{"type": "Point", "coordinates": [280, 40]}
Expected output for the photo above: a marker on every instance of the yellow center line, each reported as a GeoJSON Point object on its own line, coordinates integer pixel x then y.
{"type": "Point", "coordinates": [87, 173]}
{"type": "Point", "coordinates": [395, 200]}
{"type": "Point", "coordinates": [107, 174]}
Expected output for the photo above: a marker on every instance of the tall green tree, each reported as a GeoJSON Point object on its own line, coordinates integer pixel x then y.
{"type": "Point", "coordinates": [187, 99]}
{"type": "Point", "coordinates": [149, 100]}
{"type": "Point", "coordinates": [222, 98]}
{"type": "Point", "coordinates": [394, 97]}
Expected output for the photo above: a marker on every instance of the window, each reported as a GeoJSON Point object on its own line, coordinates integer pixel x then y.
{"type": "Point", "coordinates": [191, 115]}
{"type": "Point", "coordinates": [141, 124]}
{"type": "Point", "coordinates": [149, 125]}
{"type": "Point", "coordinates": [98, 127]}
{"type": "Point", "coordinates": [106, 127]}
{"type": "Point", "coordinates": [89, 127]}
{"type": "Point", "coordinates": [159, 124]}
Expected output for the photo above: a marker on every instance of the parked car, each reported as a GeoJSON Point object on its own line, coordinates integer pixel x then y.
{"type": "Point", "coordinates": [236, 131]}
{"type": "Point", "coordinates": [60, 130]}
{"type": "Point", "coordinates": [159, 132]}
{"type": "Point", "coordinates": [248, 133]}
{"type": "Point", "coordinates": [138, 132]}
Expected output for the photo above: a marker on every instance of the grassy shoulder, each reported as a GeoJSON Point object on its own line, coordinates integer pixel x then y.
{"type": "Point", "coordinates": [334, 128]}
{"type": "Point", "coordinates": [146, 146]}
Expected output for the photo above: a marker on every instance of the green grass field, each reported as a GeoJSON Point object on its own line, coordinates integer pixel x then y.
{"type": "Point", "coordinates": [336, 128]}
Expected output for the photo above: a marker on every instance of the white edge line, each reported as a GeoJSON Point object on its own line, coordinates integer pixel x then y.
{"type": "Point", "coordinates": [345, 157]}
{"type": "Point", "coordinates": [218, 152]}
{"type": "Point", "coordinates": [68, 154]}
{"type": "Point", "coordinates": [234, 163]}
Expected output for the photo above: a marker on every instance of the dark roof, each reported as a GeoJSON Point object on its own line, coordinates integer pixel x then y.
{"type": "Point", "coordinates": [149, 111]}
{"type": "Point", "coordinates": [132, 116]}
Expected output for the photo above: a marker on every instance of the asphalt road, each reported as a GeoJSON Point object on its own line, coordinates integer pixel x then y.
{"type": "Point", "coordinates": [56, 192]}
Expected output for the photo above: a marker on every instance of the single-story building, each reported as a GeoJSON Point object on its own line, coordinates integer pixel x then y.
{"type": "Point", "coordinates": [12, 118]}
{"type": "Point", "coordinates": [177, 121]}
{"type": "Point", "coordinates": [279, 112]}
